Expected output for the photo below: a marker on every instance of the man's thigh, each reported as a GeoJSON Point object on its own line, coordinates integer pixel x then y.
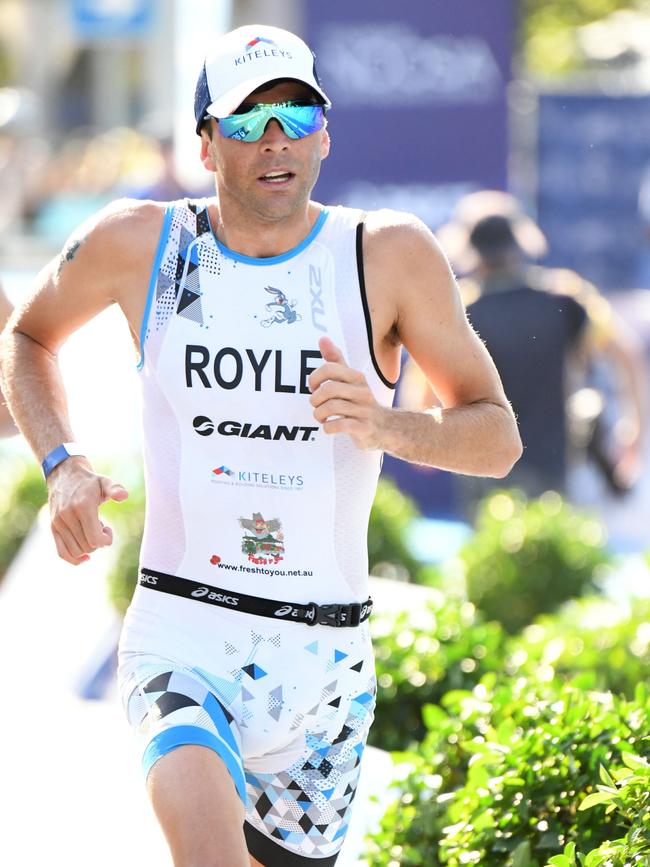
{"type": "Point", "coordinates": [199, 809]}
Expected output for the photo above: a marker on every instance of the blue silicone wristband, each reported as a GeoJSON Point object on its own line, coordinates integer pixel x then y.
{"type": "Point", "coordinates": [58, 455]}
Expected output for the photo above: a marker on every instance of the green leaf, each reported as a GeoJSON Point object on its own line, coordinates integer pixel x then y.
{"type": "Point", "coordinates": [605, 777]}
{"type": "Point", "coordinates": [635, 762]}
{"type": "Point", "coordinates": [594, 858]}
{"type": "Point", "coordinates": [560, 861]}
{"type": "Point", "coordinates": [641, 694]}
{"type": "Point", "coordinates": [521, 855]}
{"type": "Point", "coordinates": [596, 798]}
{"type": "Point", "coordinates": [433, 716]}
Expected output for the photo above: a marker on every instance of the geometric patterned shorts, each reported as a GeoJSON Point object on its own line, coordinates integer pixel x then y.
{"type": "Point", "coordinates": [287, 708]}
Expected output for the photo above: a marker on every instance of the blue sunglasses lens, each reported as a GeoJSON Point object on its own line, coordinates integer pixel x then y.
{"type": "Point", "coordinates": [296, 119]}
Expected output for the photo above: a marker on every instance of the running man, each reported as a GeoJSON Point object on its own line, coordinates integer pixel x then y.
{"type": "Point", "coordinates": [262, 446]}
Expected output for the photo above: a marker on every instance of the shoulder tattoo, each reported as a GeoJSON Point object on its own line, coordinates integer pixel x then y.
{"type": "Point", "coordinates": [69, 252]}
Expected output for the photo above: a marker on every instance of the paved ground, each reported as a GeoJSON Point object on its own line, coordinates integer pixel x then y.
{"type": "Point", "coordinates": [72, 790]}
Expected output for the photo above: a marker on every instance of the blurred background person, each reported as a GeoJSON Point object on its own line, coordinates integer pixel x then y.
{"type": "Point", "coordinates": [544, 329]}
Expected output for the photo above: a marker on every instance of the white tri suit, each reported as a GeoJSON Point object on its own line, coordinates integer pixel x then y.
{"type": "Point", "coordinates": [246, 493]}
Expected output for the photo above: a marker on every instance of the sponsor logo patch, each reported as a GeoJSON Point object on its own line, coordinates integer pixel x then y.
{"type": "Point", "coordinates": [204, 427]}
{"type": "Point", "coordinates": [279, 481]}
{"type": "Point", "coordinates": [263, 540]}
{"type": "Point", "coordinates": [257, 41]}
{"type": "Point", "coordinates": [212, 596]}
{"type": "Point", "coordinates": [281, 309]}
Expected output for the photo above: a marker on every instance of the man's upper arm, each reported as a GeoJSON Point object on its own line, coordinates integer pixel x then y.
{"type": "Point", "coordinates": [430, 316]}
{"type": "Point", "coordinates": [97, 266]}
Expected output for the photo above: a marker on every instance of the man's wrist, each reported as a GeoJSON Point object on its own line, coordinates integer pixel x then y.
{"type": "Point", "coordinates": [389, 434]}
{"type": "Point", "coordinates": [61, 453]}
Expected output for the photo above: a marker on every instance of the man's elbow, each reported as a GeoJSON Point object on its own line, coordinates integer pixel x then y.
{"type": "Point", "coordinates": [511, 450]}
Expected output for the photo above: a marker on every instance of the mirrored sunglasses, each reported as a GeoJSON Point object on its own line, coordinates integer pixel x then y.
{"type": "Point", "coordinates": [296, 117]}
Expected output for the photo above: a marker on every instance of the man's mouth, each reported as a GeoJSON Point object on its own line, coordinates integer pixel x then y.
{"type": "Point", "coordinates": [276, 177]}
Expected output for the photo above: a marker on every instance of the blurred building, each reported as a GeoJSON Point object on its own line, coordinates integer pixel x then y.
{"type": "Point", "coordinates": [96, 63]}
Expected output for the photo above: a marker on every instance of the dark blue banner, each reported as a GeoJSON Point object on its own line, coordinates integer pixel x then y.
{"type": "Point", "coordinates": [418, 90]}
{"type": "Point", "coordinates": [593, 152]}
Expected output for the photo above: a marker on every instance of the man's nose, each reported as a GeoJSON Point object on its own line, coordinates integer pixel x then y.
{"type": "Point", "coordinates": [274, 136]}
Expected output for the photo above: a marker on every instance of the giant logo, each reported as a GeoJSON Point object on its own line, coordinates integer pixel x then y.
{"type": "Point", "coordinates": [247, 430]}
{"type": "Point", "coordinates": [203, 425]}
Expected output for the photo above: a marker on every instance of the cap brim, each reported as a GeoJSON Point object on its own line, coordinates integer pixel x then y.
{"type": "Point", "coordinates": [229, 101]}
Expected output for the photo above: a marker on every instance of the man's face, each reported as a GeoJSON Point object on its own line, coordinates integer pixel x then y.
{"type": "Point", "coordinates": [247, 172]}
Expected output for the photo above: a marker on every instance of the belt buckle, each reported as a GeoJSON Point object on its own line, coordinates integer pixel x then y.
{"type": "Point", "coordinates": [338, 615]}
{"type": "Point", "coordinates": [354, 615]}
{"type": "Point", "coordinates": [330, 615]}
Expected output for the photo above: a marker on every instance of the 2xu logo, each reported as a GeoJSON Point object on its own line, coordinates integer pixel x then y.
{"type": "Point", "coordinates": [204, 427]}
{"type": "Point", "coordinates": [211, 596]}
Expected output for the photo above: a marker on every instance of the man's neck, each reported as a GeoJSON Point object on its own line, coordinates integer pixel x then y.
{"type": "Point", "coordinates": [251, 235]}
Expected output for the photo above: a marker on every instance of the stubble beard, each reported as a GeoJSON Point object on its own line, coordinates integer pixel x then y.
{"type": "Point", "coordinates": [271, 208]}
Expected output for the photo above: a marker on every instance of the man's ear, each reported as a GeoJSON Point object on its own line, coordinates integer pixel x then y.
{"type": "Point", "coordinates": [206, 151]}
{"type": "Point", "coordinates": [325, 144]}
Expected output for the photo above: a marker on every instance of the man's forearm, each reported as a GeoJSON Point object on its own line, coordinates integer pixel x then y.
{"type": "Point", "coordinates": [34, 391]}
{"type": "Point", "coordinates": [479, 439]}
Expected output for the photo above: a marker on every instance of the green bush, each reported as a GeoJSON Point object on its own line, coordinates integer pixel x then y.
{"type": "Point", "coordinates": [526, 755]}
{"type": "Point", "coordinates": [22, 495]}
{"type": "Point", "coordinates": [420, 656]}
{"type": "Point", "coordinates": [127, 520]}
{"type": "Point", "coordinates": [391, 514]}
{"type": "Point", "coordinates": [535, 754]}
{"type": "Point", "coordinates": [594, 642]}
{"type": "Point", "coordinates": [526, 558]}
{"type": "Point", "coordinates": [626, 790]}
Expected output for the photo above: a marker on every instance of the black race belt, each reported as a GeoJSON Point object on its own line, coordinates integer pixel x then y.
{"type": "Point", "coordinates": [350, 614]}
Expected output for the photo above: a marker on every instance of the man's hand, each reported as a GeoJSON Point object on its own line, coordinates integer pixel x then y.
{"type": "Point", "coordinates": [75, 495]}
{"type": "Point", "coordinates": [343, 401]}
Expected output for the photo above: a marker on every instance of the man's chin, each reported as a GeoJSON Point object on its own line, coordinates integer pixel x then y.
{"type": "Point", "coordinates": [280, 207]}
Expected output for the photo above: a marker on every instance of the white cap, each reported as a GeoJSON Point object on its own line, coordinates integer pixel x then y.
{"type": "Point", "coordinates": [247, 58]}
